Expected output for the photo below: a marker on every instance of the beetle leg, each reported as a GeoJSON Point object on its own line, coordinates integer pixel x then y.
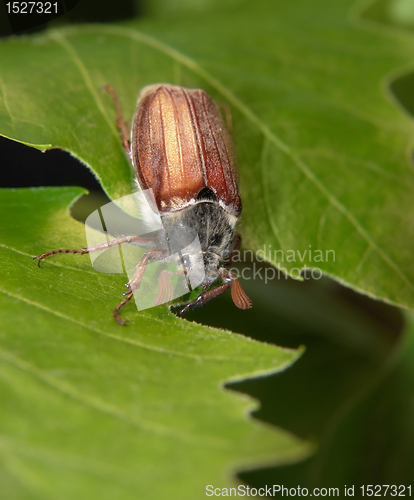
{"type": "Point", "coordinates": [115, 312]}
{"type": "Point", "coordinates": [145, 242]}
{"type": "Point", "coordinates": [135, 282]}
{"type": "Point", "coordinates": [204, 297]}
{"type": "Point", "coordinates": [122, 124]}
{"type": "Point", "coordinates": [240, 299]}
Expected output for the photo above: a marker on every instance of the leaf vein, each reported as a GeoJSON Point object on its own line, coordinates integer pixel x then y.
{"type": "Point", "coordinates": [129, 341]}
{"type": "Point", "coordinates": [103, 407]}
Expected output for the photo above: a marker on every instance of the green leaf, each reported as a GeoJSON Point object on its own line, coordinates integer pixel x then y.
{"type": "Point", "coordinates": [321, 146]}
{"type": "Point", "coordinates": [394, 13]}
{"type": "Point", "coordinates": [93, 410]}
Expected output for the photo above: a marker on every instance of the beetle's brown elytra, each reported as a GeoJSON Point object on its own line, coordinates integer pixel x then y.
{"type": "Point", "coordinates": [180, 148]}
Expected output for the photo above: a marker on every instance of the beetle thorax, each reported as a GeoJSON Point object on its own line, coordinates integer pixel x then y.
{"type": "Point", "coordinates": [204, 225]}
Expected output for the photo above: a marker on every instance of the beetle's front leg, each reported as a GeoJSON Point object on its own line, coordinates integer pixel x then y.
{"type": "Point", "coordinates": [135, 282]}
{"type": "Point", "coordinates": [240, 299]}
{"type": "Point", "coordinates": [204, 297]}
